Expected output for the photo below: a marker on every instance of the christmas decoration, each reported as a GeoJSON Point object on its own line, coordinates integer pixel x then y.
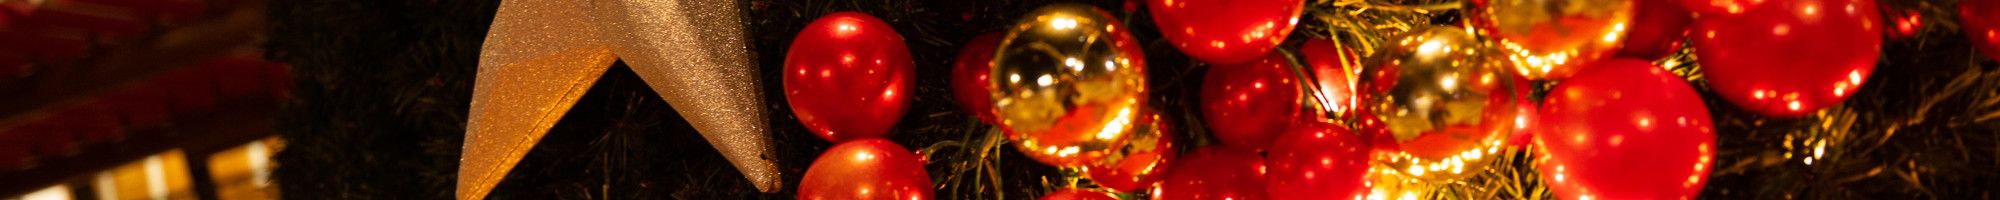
{"type": "Point", "coordinates": [1068, 82]}
{"type": "Point", "coordinates": [1224, 31]}
{"type": "Point", "coordinates": [540, 57]}
{"type": "Point", "coordinates": [870, 168]}
{"type": "Point", "coordinates": [1790, 58]}
{"type": "Point", "coordinates": [1721, 8]}
{"type": "Point", "coordinates": [1621, 117]}
{"type": "Point", "coordinates": [1335, 69]}
{"type": "Point", "coordinates": [848, 76]}
{"type": "Point", "coordinates": [1215, 172]}
{"type": "Point", "coordinates": [1144, 160]}
{"type": "Point", "coordinates": [1554, 39]}
{"type": "Point", "coordinates": [969, 77]}
{"type": "Point", "coordinates": [1078, 194]}
{"type": "Point", "coordinates": [1317, 160]}
{"type": "Point", "coordinates": [1247, 105]}
{"type": "Point", "coordinates": [1980, 20]}
{"type": "Point", "coordinates": [1443, 103]}
{"type": "Point", "coordinates": [1657, 29]}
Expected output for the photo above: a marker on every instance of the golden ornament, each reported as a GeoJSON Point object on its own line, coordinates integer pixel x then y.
{"type": "Point", "coordinates": [1068, 84]}
{"type": "Point", "coordinates": [1447, 106]}
{"type": "Point", "coordinates": [1552, 39]}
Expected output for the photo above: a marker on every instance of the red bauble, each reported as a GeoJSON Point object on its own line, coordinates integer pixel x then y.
{"type": "Point", "coordinates": [847, 75]}
{"type": "Point", "coordinates": [1226, 31]}
{"type": "Point", "coordinates": [1215, 172]}
{"type": "Point", "coordinates": [1720, 8]}
{"type": "Point", "coordinates": [969, 76]}
{"type": "Point", "coordinates": [1657, 31]}
{"type": "Point", "coordinates": [1626, 130]}
{"type": "Point", "coordinates": [1318, 160]}
{"type": "Point", "coordinates": [1981, 22]}
{"type": "Point", "coordinates": [870, 168]}
{"type": "Point", "coordinates": [1790, 58]}
{"type": "Point", "coordinates": [1247, 105]}
{"type": "Point", "coordinates": [1334, 68]}
{"type": "Point", "coordinates": [1078, 194]}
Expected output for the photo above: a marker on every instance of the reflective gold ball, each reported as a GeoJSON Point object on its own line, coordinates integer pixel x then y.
{"type": "Point", "coordinates": [1447, 106]}
{"type": "Point", "coordinates": [1069, 82]}
{"type": "Point", "coordinates": [1552, 39]}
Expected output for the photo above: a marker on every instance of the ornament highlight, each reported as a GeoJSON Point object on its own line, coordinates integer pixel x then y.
{"type": "Point", "coordinates": [1225, 31]}
{"type": "Point", "coordinates": [1790, 58]}
{"type": "Point", "coordinates": [1318, 160]}
{"type": "Point", "coordinates": [969, 77]}
{"type": "Point", "coordinates": [1335, 70]}
{"type": "Point", "coordinates": [1068, 84]}
{"type": "Point", "coordinates": [847, 76]}
{"type": "Point", "coordinates": [1623, 117]}
{"type": "Point", "coordinates": [1657, 30]}
{"type": "Point", "coordinates": [1215, 172]}
{"type": "Point", "coordinates": [868, 168]}
{"type": "Point", "coordinates": [1552, 39]}
{"type": "Point", "coordinates": [1249, 104]}
{"type": "Point", "coordinates": [1144, 160]}
{"type": "Point", "coordinates": [1445, 106]}
{"type": "Point", "coordinates": [1981, 23]}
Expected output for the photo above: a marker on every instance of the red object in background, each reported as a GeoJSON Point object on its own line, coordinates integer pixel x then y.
{"type": "Point", "coordinates": [187, 91]}
{"type": "Point", "coordinates": [14, 152]}
{"type": "Point", "coordinates": [1247, 105]}
{"type": "Point", "coordinates": [868, 168]}
{"type": "Point", "coordinates": [95, 121]}
{"type": "Point", "coordinates": [170, 9]}
{"type": "Point", "coordinates": [969, 75]}
{"type": "Point", "coordinates": [142, 106]}
{"type": "Point", "coordinates": [1317, 160]}
{"type": "Point", "coordinates": [1657, 31]}
{"type": "Point", "coordinates": [1226, 31]}
{"type": "Point", "coordinates": [1980, 20]}
{"type": "Point", "coordinates": [1721, 8]}
{"type": "Point", "coordinates": [1078, 194]}
{"type": "Point", "coordinates": [1334, 68]}
{"type": "Point", "coordinates": [45, 45]}
{"type": "Point", "coordinates": [1215, 172]}
{"type": "Point", "coordinates": [1790, 58]}
{"type": "Point", "coordinates": [1626, 130]}
{"type": "Point", "coordinates": [847, 76]}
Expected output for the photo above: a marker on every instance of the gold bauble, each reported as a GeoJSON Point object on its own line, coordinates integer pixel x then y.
{"type": "Point", "coordinates": [1068, 84]}
{"type": "Point", "coordinates": [1553, 39]}
{"type": "Point", "coordinates": [1144, 159]}
{"type": "Point", "coordinates": [1446, 103]}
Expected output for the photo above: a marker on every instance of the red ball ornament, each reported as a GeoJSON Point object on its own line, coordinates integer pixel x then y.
{"type": "Point", "coordinates": [1790, 58]}
{"type": "Point", "coordinates": [1078, 194]}
{"type": "Point", "coordinates": [870, 168]}
{"type": "Point", "coordinates": [1215, 172]}
{"type": "Point", "coordinates": [1623, 117]}
{"type": "Point", "coordinates": [970, 73]}
{"type": "Point", "coordinates": [1246, 105]}
{"type": "Point", "coordinates": [1334, 69]}
{"type": "Point", "coordinates": [847, 75]}
{"type": "Point", "coordinates": [1226, 31]}
{"type": "Point", "coordinates": [1657, 30]}
{"type": "Point", "coordinates": [1721, 8]}
{"type": "Point", "coordinates": [1318, 160]}
{"type": "Point", "coordinates": [1981, 22]}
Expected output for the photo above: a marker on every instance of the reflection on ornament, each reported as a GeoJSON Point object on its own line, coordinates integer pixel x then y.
{"type": "Point", "coordinates": [1553, 39]}
{"type": "Point", "coordinates": [1068, 84]}
{"type": "Point", "coordinates": [1335, 69]}
{"type": "Point", "coordinates": [848, 75]}
{"type": "Point", "coordinates": [1226, 31]}
{"type": "Point", "coordinates": [1144, 160]}
{"type": "Point", "coordinates": [1446, 107]}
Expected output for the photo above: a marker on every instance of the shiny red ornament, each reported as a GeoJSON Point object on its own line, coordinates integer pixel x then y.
{"type": "Point", "coordinates": [1657, 31]}
{"type": "Point", "coordinates": [970, 73]}
{"type": "Point", "coordinates": [1246, 105]}
{"type": "Point", "coordinates": [870, 168]}
{"type": "Point", "coordinates": [1317, 160]}
{"type": "Point", "coordinates": [1980, 20]}
{"type": "Point", "coordinates": [1226, 31]}
{"type": "Point", "coordinates": [1215, 172]}
{"type": "Point", "coordinates": [1078, 194]}
{"type": "Point", "coordinates": [1720, 8]}
{"type": "Point", "coordinates": [1790, 58]}
{"type": "Point", "coordinates": [1606, 126]}
{"type": "Point", "coordinates": [848, 75]}
{"type": "Point", "coordinates": [1334, 69]}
